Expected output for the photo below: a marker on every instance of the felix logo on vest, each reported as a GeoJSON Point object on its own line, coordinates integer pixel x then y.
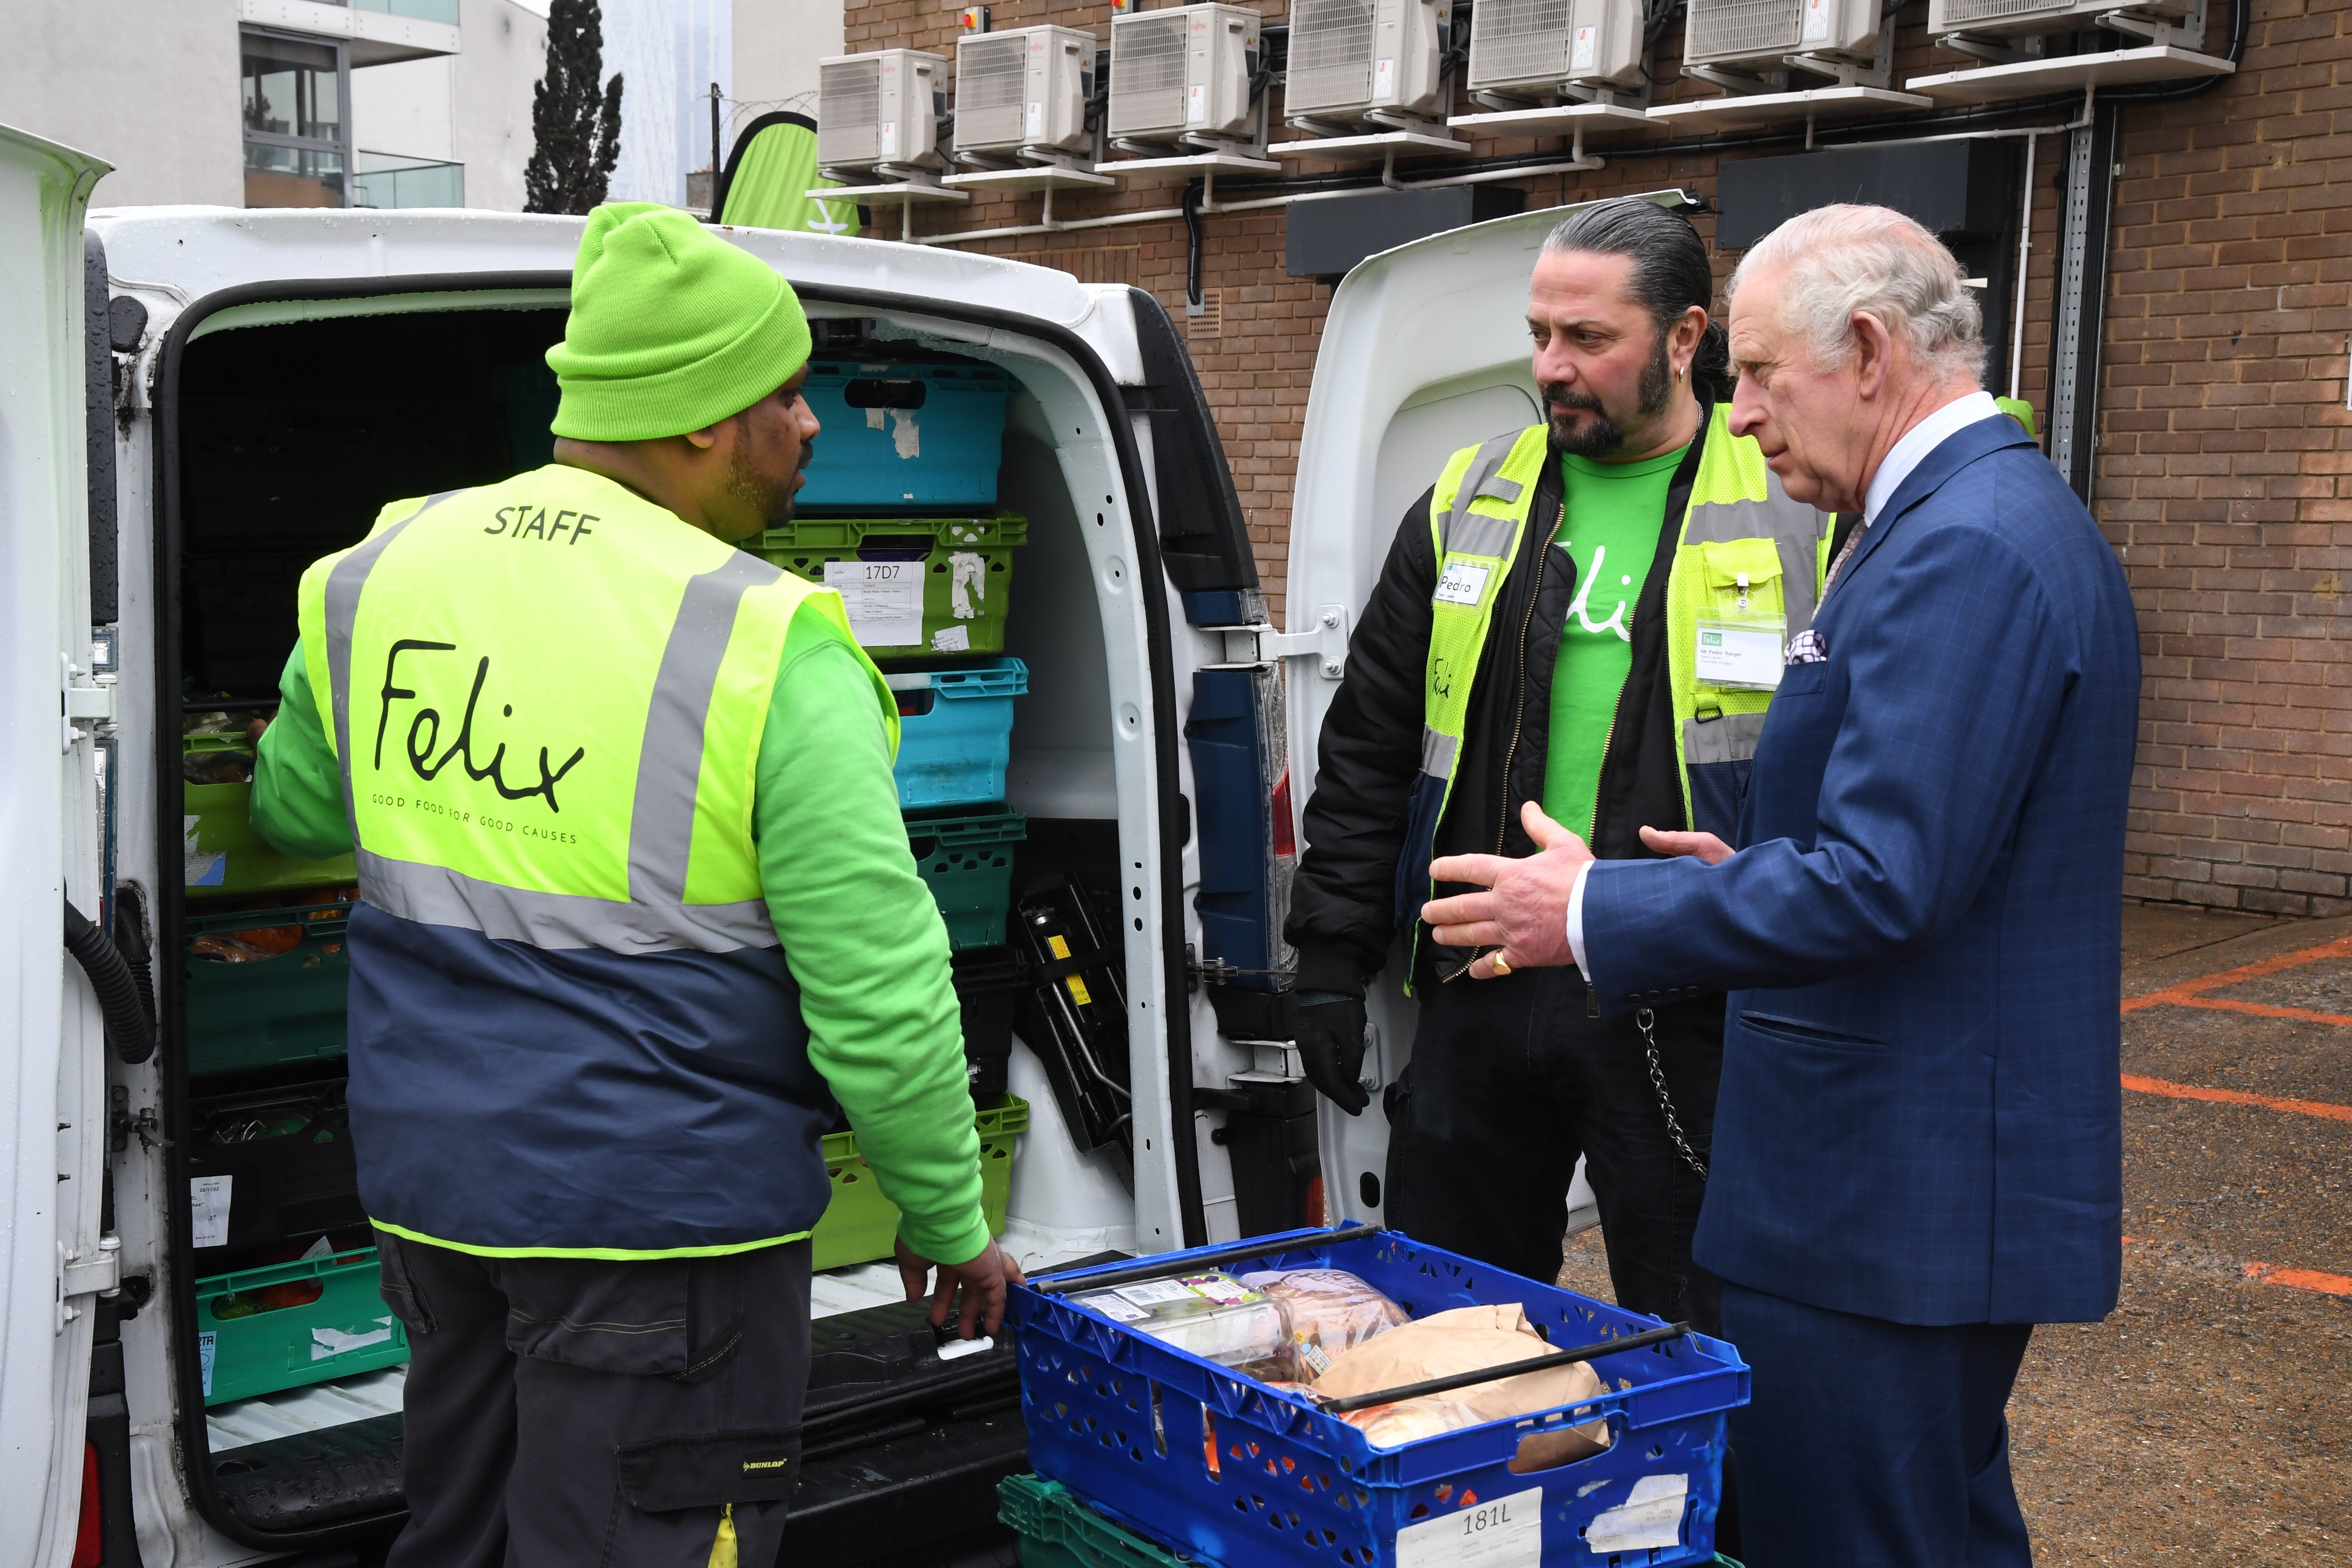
{"type": "Point", "coordinates": [424, 732]}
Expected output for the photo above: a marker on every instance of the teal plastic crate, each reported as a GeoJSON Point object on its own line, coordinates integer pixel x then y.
{"type": "Point", "coordinates": [1057, 1531]}
{"type": "Point", "coordinates": [250, 1345]}
{"type": "Point", "coordinates": [914, 586]}
{"type": "Point", "coordinates": [905, 434]}
{"type": "Point", "coordinates": [267, 1008]}
{"type": "Point", "coordinates": [955, 732]}
{"type": "Point", "coordinates": [966, 859]}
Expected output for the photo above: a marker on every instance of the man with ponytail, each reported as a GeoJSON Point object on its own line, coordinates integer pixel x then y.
{"type": "Point", "coordinates": [1585, 617]}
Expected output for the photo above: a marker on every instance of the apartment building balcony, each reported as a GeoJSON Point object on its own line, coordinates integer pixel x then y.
{"type": "Point", "coordinates": [376, 32]}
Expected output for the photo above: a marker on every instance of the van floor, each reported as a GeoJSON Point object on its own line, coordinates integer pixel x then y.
{"type": "Point", "coordinates": [320, 1406]}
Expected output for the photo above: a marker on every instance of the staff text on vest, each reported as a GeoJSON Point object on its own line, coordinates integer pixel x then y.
{"type": "Point", "coordinates": [532, 522]}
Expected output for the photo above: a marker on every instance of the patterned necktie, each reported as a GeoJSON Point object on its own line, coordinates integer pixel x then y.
{"type": "Point", "coordinates": [1843, 550]}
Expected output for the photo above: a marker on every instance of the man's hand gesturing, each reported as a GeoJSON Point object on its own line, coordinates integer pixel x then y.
{"type": "Point", "coordinates": [1524, 915]}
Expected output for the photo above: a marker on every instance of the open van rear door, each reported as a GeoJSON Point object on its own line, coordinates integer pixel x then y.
{"type": "Point", "coordinates": [1424, 352]}
{"type": "Point", "coordinates": [52, 1110]}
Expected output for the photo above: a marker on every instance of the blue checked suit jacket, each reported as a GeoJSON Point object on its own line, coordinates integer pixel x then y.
{"type": "Point", "coordinates": [1919, 1118]}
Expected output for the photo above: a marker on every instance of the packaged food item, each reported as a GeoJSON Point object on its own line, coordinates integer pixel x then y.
{"type": "Point", "coordinates": [1468, 1339]}
{"type": "Point", "coordinates": [1409, 1420]}
{"type": "Point", "coordinates": [1330, 1311]}
{"type": "Point", "coordinates": [216, 767]}
{"type": "Point", "coordinates": [1215, 1316]}
{"type": "Point", "coordinates": [246, 946]}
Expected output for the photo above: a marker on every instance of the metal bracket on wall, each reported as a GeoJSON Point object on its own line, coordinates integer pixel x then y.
{"type": "Point", "coordinates": [2081, 298]}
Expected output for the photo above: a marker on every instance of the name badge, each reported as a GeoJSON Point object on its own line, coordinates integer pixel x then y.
{"type": "Point", "coordinates": [1743, 654]}
{"type": "Point", "coordinates": [1462, 585]}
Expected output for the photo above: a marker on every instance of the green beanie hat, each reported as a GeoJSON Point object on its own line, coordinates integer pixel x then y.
{"type": "Point", "coordinates": [672, 329]}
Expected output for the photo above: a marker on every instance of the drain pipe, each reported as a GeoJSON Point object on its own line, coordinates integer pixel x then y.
{"type": "Point", "coordinates": [2025, 250]}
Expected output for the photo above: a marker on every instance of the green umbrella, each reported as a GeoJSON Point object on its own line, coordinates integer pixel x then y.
{"type": "Point", "coordinates": [769, 174]}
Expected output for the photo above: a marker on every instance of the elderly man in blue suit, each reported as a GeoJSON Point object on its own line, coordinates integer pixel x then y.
{"type": "Point", "coordinates": [1917, 1149]}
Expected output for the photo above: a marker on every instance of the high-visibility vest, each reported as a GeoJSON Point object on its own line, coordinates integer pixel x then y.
{"type": "Point", "coordinates": [1743, 550]}
{"type": "Point", "coordinates": [573, 1029]}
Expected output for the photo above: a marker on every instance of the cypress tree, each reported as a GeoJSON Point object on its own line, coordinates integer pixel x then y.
{"type": "Point", "coordinates": [575, 130]}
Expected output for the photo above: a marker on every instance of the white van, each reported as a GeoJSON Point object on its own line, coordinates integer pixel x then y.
{"type": "Point", "coordinates": [195, 403]}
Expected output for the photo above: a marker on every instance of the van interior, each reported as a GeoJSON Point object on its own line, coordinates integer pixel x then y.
{"type": "Point", "coordinates": [285, 437]}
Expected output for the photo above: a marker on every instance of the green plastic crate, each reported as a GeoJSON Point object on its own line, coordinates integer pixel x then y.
{"type": "Point", "coordinates": [966, 859]}
{"type": "Point", "coordinates": [223, 856]}
{"type": "Point", "coordinates": [966, 573]}
{"type": "Point", "coordinates": [269, 1012]}
{"type": "Point", "coordinates": [347, 1330]}
{"type": "Point", "coordinates": [1057, 1531]}
{"type": "Point", "coordinates": [860, 1224]}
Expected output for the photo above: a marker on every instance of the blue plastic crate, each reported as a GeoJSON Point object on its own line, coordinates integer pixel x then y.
{"type": "Point", "coordinates": [904, 436]}
{"type": "Point", "coordinates": [1223, 1468]}
{"type": "Point", "coordinates": [955, 732]}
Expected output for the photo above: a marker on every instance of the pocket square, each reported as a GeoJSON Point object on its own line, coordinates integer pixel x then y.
{"type": "Point", "coordinates": [1807, 647]}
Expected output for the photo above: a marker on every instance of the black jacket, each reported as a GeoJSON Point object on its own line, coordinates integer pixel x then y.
{"type": "Point", "coordinates": [1349, 900]}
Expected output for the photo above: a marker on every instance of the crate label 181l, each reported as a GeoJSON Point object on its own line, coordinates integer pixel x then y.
{"type": "Point", "coordinates": [1505, 1532]}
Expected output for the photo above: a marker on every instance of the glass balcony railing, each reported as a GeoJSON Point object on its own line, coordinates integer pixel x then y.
{"type": "Point", "coordinates": [387, 179]}
{"type": "Point", "coordinates": [417, 10]}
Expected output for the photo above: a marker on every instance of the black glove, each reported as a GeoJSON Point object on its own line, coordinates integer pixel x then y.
{"type": "Point", "coordinates": [1332, 1047]}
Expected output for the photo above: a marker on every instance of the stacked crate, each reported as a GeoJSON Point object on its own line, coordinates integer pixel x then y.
{"type": "Point", "coordinates": [899, 516]}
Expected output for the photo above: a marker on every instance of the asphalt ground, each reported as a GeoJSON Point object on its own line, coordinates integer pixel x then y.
{"type": "Point", "coordinates": [2208, 1419]}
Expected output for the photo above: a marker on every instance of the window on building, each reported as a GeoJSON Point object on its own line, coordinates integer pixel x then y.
{"type": "Point", "coordinates": [297, 147]}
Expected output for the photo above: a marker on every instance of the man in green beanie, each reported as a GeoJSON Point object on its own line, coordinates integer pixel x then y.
{"type": "Point", "coordinates": [637, 911]}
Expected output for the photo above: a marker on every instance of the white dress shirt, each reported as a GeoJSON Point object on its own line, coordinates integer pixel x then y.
{"type": "Point", "coordinates": [1904, 456]}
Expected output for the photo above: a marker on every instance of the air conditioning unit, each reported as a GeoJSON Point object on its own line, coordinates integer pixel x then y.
{"type": "Point", "coordinates": [1182, 73]}
{"type": "Point", "coordinates": [1351, 59]}
{"type": "Point", "coordinates": [1024, 88]}
{"type": "Point", "coordinates": [2009, 19]}
{"type": "Point", "coordinates": [1533, 48]}
{"type": "Point", "coordinates": [1760, 35]}
{"type": "Point", "coordinates": [881, 108]}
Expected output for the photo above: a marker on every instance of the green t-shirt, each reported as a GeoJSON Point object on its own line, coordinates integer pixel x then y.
{"type": "Point", "coordinates": [1611, 532]}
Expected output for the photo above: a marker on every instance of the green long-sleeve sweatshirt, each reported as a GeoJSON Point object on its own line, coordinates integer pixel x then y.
{"type": "Point", "coordinates": [859, 929]}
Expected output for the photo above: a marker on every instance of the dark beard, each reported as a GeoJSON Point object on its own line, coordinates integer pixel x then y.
{"type": "Point", "coordinates": [1604, 437]}
{"type": "Point", "coordinates": [772, 502]}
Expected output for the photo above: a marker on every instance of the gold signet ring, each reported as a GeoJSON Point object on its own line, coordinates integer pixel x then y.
{"type": "Point", "coordinates": [1501, 968]}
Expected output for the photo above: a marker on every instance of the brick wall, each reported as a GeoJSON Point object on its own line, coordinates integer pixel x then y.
{"type": "Point", "coordinates": [2222, 480]}
{"type": "Point", "coordinates": [2229, 305]}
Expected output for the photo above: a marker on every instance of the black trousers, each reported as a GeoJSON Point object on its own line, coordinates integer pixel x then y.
{"type": "Point", "coordinates": [1511, 1080]}
{"type": "Point", "coordinates": [1874, 1444]}
{"type": "Point", "coordinates": [563, 1413]}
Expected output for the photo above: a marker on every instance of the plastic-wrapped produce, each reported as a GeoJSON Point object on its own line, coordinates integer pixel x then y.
{"type": "Point", "coordinates": [1215, 1316]}
{"type": "Point", "coordinates": [1330, 1311]}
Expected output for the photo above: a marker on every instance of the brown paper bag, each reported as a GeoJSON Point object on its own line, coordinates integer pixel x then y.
{"type": "Point", "coordinates": [1468, 1339]}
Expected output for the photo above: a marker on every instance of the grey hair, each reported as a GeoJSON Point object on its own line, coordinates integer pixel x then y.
{"type": "Point", "coordinates": [1836, 260]}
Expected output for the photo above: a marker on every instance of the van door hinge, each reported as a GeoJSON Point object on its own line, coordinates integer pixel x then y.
{"type": "Point", "coordinates": [90, 701]}
{"type": "Point", "coordinates": [80, 1274]}
{"type": "Point", "coordinates": [1325, 641]}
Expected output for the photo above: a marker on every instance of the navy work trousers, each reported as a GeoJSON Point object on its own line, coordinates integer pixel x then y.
{"type": "Point", "coordinates": [1873, 1444]}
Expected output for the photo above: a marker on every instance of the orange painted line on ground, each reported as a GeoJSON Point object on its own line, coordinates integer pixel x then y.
{"type": "Point", "coordinates": [2271, 1274]}
{"type": "Point", "coordinates": [2319, 1108]}
{"type": "Point", "coordinates": [2299, 1279]}
{"type": "Point", "coordinates": [2262, 1010]}
{"type": "Point", "coordinates": [2340, 948]}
